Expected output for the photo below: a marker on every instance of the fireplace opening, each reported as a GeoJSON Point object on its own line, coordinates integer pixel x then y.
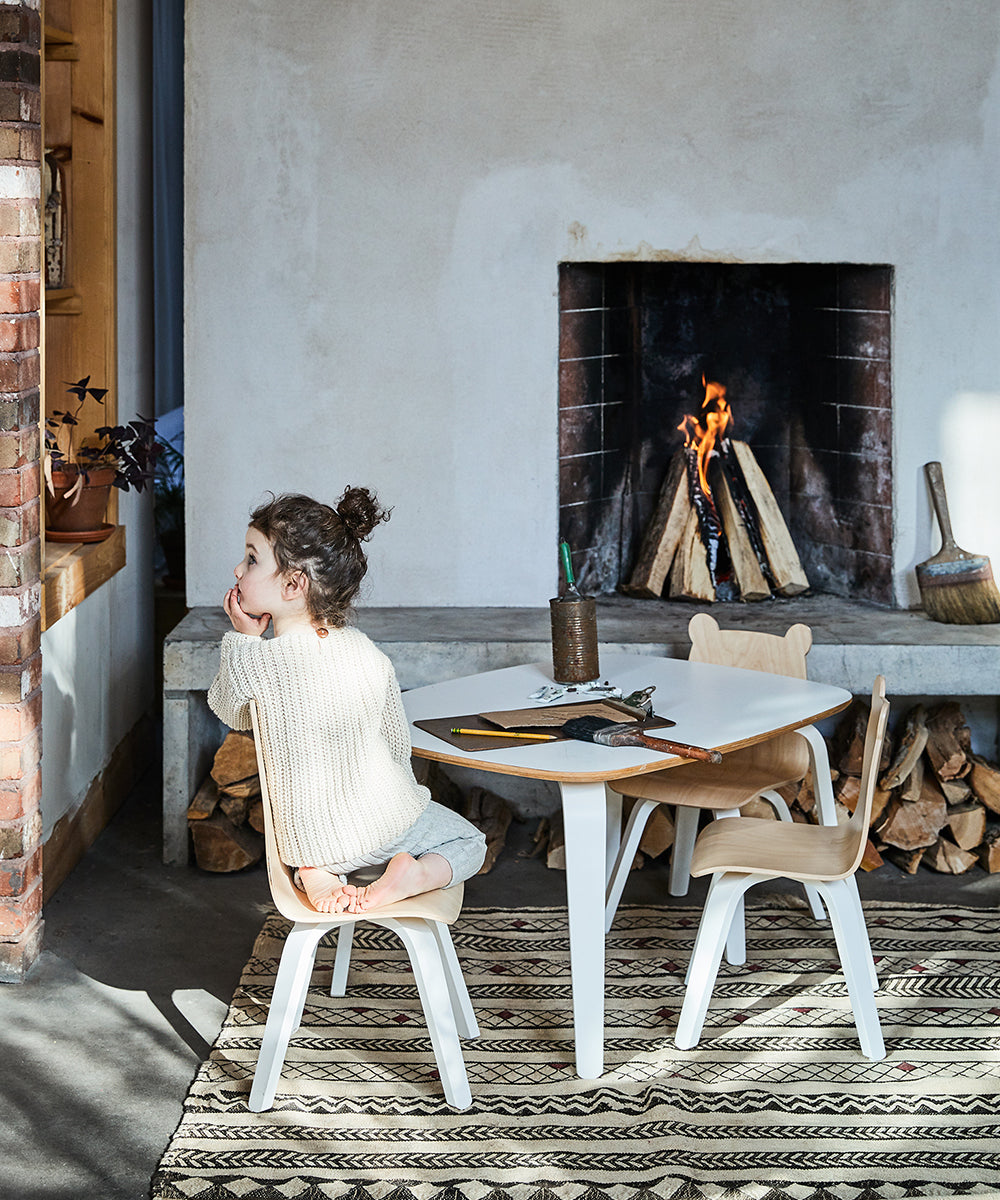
{"type": "Point", "coordinates": [803, 352]}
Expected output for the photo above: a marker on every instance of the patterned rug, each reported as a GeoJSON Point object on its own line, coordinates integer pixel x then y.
{"type": "Point", "coordinates": [776, 1103]}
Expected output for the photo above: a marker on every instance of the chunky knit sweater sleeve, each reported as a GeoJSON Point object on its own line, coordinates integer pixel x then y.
{"type": "Point", "coordinates": [330, 709]}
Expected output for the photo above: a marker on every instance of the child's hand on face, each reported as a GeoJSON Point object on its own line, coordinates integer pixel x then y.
{"type": "Point", "coordinates": [244, 622]}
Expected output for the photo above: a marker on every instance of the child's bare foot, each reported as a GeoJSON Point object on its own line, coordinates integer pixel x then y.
{"type": "Point", "coordinates": [326, 891]}
{"type": "Point", "coordinates": [404, 876]}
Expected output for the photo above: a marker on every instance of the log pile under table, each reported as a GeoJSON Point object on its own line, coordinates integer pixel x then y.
{"type": "Point", "coordinates": [937, 802]}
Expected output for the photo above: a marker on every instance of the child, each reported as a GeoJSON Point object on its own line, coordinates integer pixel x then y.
{"type": "Point", "coordinates": [343, 791]}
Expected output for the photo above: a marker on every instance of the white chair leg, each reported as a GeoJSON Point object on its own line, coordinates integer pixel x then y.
{"type": "Point", "coordinates": [736, 938]}
{"type": "Point", "coordinates": [847, 920]}
{"type": "Point", "coordinates": [285, 1011]}
{"type": "Point", "coordinates": [342, 959]}
{"type": "Point", "coordinates": [777, 802]}
{"type": "Point", "coordinates": [638, 818]}
{"type": "Point", "coordinates": [465, 1016]}
{"type": "Point", "coordinates": [685, 832]}
{"type": "Point", "coordinates": [852, 883]}
{"type": "Point", "coordinates": [429, 972]}
{"type": "Point", "coordinates": [724, 895]}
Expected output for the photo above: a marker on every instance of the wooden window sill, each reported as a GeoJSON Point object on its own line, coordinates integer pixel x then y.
{"type": "Point", "coordinates": [72, 570]}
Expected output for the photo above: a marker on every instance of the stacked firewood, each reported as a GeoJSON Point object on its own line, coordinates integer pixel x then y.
{"type": "Point", "coordinates": [935, 797]}
{"type": "Point", "coordinates": [729, 543]}
{"type": "Point", "coordinates": [226, 816]}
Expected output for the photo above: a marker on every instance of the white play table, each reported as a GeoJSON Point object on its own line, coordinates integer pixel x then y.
{"type": "Point", "coordinates": [720, 708]}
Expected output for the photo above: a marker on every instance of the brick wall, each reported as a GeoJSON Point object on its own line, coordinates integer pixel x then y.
{"type": "Point", "coordinates": [20, 548]}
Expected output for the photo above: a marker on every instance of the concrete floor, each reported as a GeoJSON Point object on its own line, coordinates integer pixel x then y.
{"type": "Point", "coordinates": [139, 962]}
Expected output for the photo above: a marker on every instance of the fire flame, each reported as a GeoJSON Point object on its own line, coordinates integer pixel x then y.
{"type": "Point", "coordinates": [704, 433]}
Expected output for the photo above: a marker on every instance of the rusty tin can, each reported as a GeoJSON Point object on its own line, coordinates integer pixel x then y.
{"type": "Point", "coordinates": [574, 639]}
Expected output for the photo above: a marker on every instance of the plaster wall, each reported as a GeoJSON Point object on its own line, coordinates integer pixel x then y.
{"type": "Point", "coordinates": [97, 660]}
{"type": "Point", "coordinates": [378, 196]}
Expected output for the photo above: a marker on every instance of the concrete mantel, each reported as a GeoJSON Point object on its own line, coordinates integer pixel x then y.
{"type": "Point", "coordinates": [851, 642]}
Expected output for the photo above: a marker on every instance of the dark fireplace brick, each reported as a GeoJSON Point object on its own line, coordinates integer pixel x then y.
{"type": "Point", "coordinates": [803, 350]}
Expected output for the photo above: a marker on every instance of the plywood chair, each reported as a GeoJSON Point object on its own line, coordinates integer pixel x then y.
{"type": "Point", "coordinates": [739, 854]}
{"type": "Point", "coordinates": [724, 788]}
{"type": "Point", "coordinates": [421, 922]}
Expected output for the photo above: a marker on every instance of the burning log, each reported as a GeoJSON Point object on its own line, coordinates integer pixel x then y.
{"type": "Point", "coordinates": [663, 534]}
{"type": "Point", "coordinates": [713, 538]}
{"type": "Point", "coordinates": [721, 539]}
{"type": "Point", "coordinates": [751, 581]}
{"type": "Point", "coordinates": [689, 577]}
{"type": "Point", "coordinates": [789, 577]}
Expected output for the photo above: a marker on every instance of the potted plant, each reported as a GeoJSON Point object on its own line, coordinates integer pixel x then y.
{"type": "Point", "coordinates": [79, 475]}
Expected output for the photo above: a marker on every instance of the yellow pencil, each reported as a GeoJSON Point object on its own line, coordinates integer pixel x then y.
{"type": "Point", "coordinates": [538, 737]}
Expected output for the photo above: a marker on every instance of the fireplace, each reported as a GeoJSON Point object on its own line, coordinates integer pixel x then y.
{"type": "Point", "coordinates": [803, 351]}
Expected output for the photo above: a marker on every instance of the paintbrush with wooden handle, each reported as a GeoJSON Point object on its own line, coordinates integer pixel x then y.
{"type": "Point", "coordinates": [609, 733]}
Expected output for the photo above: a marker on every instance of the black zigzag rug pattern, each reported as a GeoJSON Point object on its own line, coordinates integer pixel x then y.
{"type": "Point", "coordinates": [775, 1103]}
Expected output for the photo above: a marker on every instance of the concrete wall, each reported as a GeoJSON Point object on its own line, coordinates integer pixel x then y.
{"type": "Point", "coordinates": [97, 661]}
{"type": "Point", "coordinates": [378, 195]}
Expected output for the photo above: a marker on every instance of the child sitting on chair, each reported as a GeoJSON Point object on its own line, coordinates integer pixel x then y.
{"type": "Point", "coordinates": [344, 795]}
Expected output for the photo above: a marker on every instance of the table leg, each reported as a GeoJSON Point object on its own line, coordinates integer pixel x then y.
{"type": "Point", "coordinates": [585, 826]}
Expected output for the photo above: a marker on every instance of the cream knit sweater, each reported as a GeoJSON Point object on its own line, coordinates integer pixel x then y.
{"type": "Point", "coordinates": [337, 737]}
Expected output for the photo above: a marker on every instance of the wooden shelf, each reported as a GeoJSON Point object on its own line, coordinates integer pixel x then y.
{"type": "Point", "coordinates": [65, 302]}
{"type": "Point", "coordinates": [60, 45]}
{"type": "Point", "coordinates": [71, 571]}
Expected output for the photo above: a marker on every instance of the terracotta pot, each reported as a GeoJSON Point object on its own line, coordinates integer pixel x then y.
{"type": "Point", "coordinates": [85, 512]}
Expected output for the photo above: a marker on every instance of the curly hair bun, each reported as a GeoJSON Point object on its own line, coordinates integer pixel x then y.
{"type": "Point", "coordinates": [360, 512]}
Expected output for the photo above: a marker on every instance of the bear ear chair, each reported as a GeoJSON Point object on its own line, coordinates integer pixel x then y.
{"type": "Point", "coordinates": [420, 922]}
{"type": "Point", "coordinates": [742, 776]}
{"type": "Point", "coordinates": [739, 854]}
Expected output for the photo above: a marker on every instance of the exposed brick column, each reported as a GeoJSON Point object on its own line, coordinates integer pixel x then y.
{"type": "Point", "coordinates": [20, 548]}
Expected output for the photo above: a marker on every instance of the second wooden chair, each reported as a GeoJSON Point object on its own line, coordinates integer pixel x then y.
{"type": "Point", "coordinates": [724, 788]}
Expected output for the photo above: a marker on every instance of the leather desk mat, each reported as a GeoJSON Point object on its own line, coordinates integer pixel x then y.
{"type": "Point", "coordinates": [543, 720]}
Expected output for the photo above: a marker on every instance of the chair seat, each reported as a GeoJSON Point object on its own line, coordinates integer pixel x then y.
{"type": "Point", "coordinates": [739, 778]}
{"type": "Point", "coordinates": [781, 849]}
{"type": "Point", "coordinates": [443, 904]}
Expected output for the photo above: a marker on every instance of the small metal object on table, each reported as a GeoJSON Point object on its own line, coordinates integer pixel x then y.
{"type": "Point", "coordinates": [721, 708]}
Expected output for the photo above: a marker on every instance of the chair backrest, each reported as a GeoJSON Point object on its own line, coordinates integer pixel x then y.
{"type": "Point", "coordinates": [748, 648]}
{"type": "Point", "coordinates": [861, 818]}
{"type": "Point", "coordinates": [442, 905]}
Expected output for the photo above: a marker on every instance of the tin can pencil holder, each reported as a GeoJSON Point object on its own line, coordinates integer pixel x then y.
{"type": "Point", "coordinates": [574, 639]}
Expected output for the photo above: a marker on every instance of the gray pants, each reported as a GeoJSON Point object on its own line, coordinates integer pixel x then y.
{"type": "Point", "coordinates": [438, 830]}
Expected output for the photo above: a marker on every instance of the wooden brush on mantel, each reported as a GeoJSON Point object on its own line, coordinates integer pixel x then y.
{"type": "Point", "coordinates": [956, 587]}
